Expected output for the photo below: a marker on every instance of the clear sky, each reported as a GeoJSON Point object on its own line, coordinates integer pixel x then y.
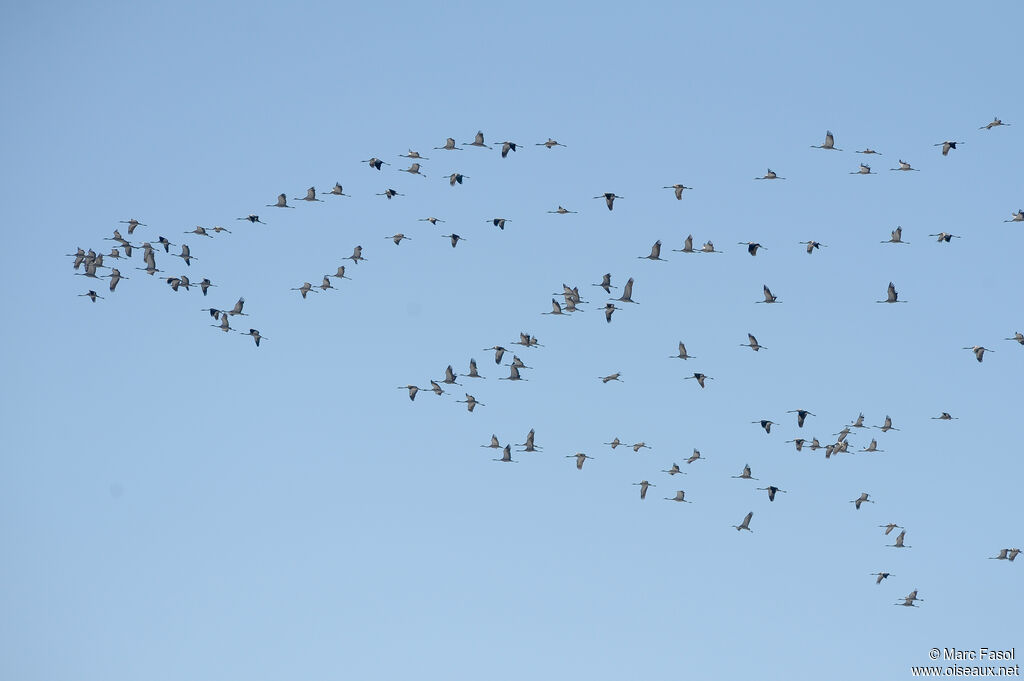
{"type": "Point", "coordinates": [178, 503]}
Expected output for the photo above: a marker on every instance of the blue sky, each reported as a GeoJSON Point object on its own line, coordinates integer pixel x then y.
{"type": "Point", "coordinates": [179, 503]}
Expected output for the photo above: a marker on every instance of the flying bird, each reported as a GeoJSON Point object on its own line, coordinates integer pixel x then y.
{"type": "Point", "coordinates": [310, 196]}
{"type": "Point", "coordinates": [478, 141]}
{"type": "Point", "coordinates": [507, 147]}
{"type": "Point", "coordinates": [680, 496]}
{"type": "Point", "coordinates": [766, 424]}
{"type": "Point", "coordinates": [609, 198]}
{"type": "Point", "coordinates": [896, 237]}
{"type": "Point", "coordinates": [979, 351]}
{"type": "Point", "coordinates": [687, 246]}
{"type": "Point", "coordinates": [255, 336]}
{"type": "Point", "coordinates": [770, 175]}
{"type": "Point", "coordinates": [811, 245]}
{"type": "Point", "coordinates": [457, 177]}
{"type": "Point", "coordinates": [643, 488]}
{"type": "Point", "coordinates": [768, 297]}
{"type": "Point", "coordinates": [562, 211]}
{"type": "Point", "coordinates": [282, 202]}
{"type": "Point", "coordinates": [471, 402]}
{"type": "Point", "coordinates": [91, 295]}
{"type": "Point", "coordinates": [449, 145]}
{"type": "Point", "coordinates": [611, 377]}
{"type": "Point", "coordinates": [903, 166]}
{"type": "Point", "coordinates": [550, 143]}
{"type": "Point", "coordinates": [829, 143]}
{"type": "Point", "coordinates": [627, 293]}
{"type": "Point", "coordinates": [580, 459]}
{"type": "Point", "coordinates": [891, 295]}
{"type": "Point", "coordinates": [506, 455]}
{"type": "Point", "coordinates": [606, 283]}
{"type": "Point", "coordinates": [753, 344]}
{"type": "Point", "coordinates": [863, 170]}
{"type": "Point", "coordinates": [946, 146]}
{"type": "Point", "coordinates": [389, 194]}
{"type": "Point", "coordinates": [700, 378]}
{"type": "Point", "coordinates": [994, 124]}
{"type": "Point", "coordinates": [801, 414]}
{"type": "Point", "coordinates": [455, 238]}
{"type": "Point", "coordinates": [944, 236]}
{"type": "Point", "coordinates": [860, 500]}
{"type": "Point", "coordinates": [899, 541]}
{"type": "Point", "coordinates": [881, 576]}
{"type": "Point", "coordinates": [682, 353]}
{"type": "Point", "coordinates": [745, 525]}
{"type": "Point", "coordinates": [745, 475]}
{"type": "Point", "coordinates": [678, 188]}
{"type": "Point", "coordinates": [772, 491]}
{"type": "Point", "coordinates": [655, 253]}
{"type": "Point", "coordinates": [375, 162]}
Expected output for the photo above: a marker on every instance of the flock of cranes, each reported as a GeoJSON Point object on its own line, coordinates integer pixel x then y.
{"type": "Point", "coordinates": [92, 263]}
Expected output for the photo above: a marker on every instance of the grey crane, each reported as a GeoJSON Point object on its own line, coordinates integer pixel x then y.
{"type": "Point", "coordinates": [614, 443]}
{"type": "Point", "coordinates": [944, 236]}
{"type": "Point", "coordinates": [478, 141]}
{"type": "Point", "coordinates": [580, 459]}
{"type": "Point", "coordinates": [680, 497]}
{"type": "Point", "coordinates": [91, 295]}
{"type": "Point", "coordinates": [507, 147]}
{"type": "Point", "coordinates": [455, 238]}
{"type": "Point", "coordinates": [414, 154]}
{"type": "Point", "coordinates": [457, 177]}
{"type": "Point", "coordinates": [643, 488]}
{"type": "Point", "coordinates": [340, 274]}
{"type": "Point", "coordinates": [513, 375]}
{"type": "Point", "coordinates": [165, 243]}
{"type": "Point", "coordinates": [114, 276]}
{"type": "Point", "coordinates": [860, 500]}
{"type": "Point", "coordinates": [186, 255]}
{"type": "Point", "coordinates": [609, 198]}
{"type": "Point", "coordinates": [182, 281]}
{"type": "Point", "coordinates": [869, 151]}
{"type": "Point", "coordinates": [449, 376]}
{"type": "Point", "coordinates": [655, 253]}
{"type": "Point", "coordinates": [674, 470]}
{"type": "Point", "coordinates": [1016, 217]}
{"type": "Point", "coordinates": [891, 296]}
{"type": "Point", "coordinates": [389, 194]}
{"type": "Point", "coordinates": [979, 351]}
{"type": "Point", "coordinates": [908, 602]}
{"type": "Point", "coordinates": [1018, 336]}
{"type": "Point", "coordinates": [903, 166]}
{"type": "Point", "coordinates": [375, 162]}
{"type": "Point", "coordinates": [770, 175]}
{"type": "Point", "coordinates": [946, 146]}
{"type": "Point", "coordinates": [678, 189]}
{"type": "Point", "coordinates": [864, 169]}
{"type": "Point", "coordinates": [994, 124]}
{"type": "Point", "coordinates": [494, 443]}
{"type": "Point", "coordinates": [1002, 555]}
{"type": "Point", "coordinates": [811, 245]}
{"type": "Point", "coordinates": [768, 297]}
{"type": "Point", "coordinates": [899, 541]}
{"type": "Point", "coordinates": [1013, 554]}
{"type": "Point", "coordinates": [253, 218]}
{"type": "Point", "coordinates": [471, 402]}
{"type": "Point", "coordinates": [889, 527]}
{"type": "Point", "coordinates": [687, 246]}
{"type": "Point", "coordinates": [829, 143]}
{"type": "Point", "coordinates": [745, 475]}
{"type": "Point", "coordinates": [449, 145]}
{"type": "Point", "coordinates": [357, 255]}
{"type": "Point", "coordinates": [753, 344]}
{"type": "Point", "coordinates": [529, 444]}
{"type": "Point", "coordinates": [310, 196]}
{"type": "Point", "coordinates": [945, 416]}
{"type": "Point", "coordinates": [337, 190]}
{"type": "Point", "coordinates": [255, 336]}
{"type": "Point", "coordinates": [436, 388]}
{"type": "Point", "coordinates": [398, 238]}
{"type": "Point", "coordinates": [412, 390]}
{"type": "Point", "coordinates": [499, 222]}
{"type": "Point", "coordinates": [498, 352]}
{"type": "Point", "coordinates": [609, 308]}
{"type": "Point", "coordinates": [304, 289]}
{"type": "Point", "coordinates": [766, 424]}
{"type": "Point", "coordinates": [562, 211]}
{"type": "Point", "coordinates": [699, 377]}
{"type": "Point", "coordinates": [225, 323]}
{"type": "Point", "coordinates": [799, 442]}
{"type": "Point", "coordinates": [472, 369]}
{"type": "Point", "coordinates": [872, 447]}
{"type": "Point", "coordinates": [745, 525]}
{"type": "Point", "coordinates": [637, 446]}
{"type": "Point", "coordinates": [627, 293]}
{"type": "Point", "coordinates": [896, 237]}
{"type": "Point", "coordinates": [132, 224]}
{"type": "Point", "coordinates": [413, 169]}
{"type": "Point", "coordinates": [886, 425]}
{"type": "Point", "coordinates": [237, 309]}
{"type": "Point", "coordinates": [694, 457]}
{"type": "Point", "coordinates": [772, 491]}
{"type": "Point", "coordinates": [506, 455]}
{"type": "Point", "coordinates": [555, 308]}
{"type": "Point", "coordinates": [550, 143]}
{"type": "Point", "coordinates": [431, 220]}
{"type": "Point", "coordinates": [606, 283]}
{"type": "Point", "coordinates": [326, 283]}
{"type": "Point", "coordinates": [708, 247]}
{"type": "Point", "coordinates": [682, 353]}
{"type": "Point", "coordinates": [881, 576]}
{"type": "Point", "coordinates": [859, 421]}
{"type": "Point", "coordinates": [611, 377]}
{"type": "Point", "coordinates": [282, 202]}
{"type": "Point", "coordinates": [801, 415]}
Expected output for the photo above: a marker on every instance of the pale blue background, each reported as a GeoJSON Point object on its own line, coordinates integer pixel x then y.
{"type": "Point", "coordinates": [176, 503]}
